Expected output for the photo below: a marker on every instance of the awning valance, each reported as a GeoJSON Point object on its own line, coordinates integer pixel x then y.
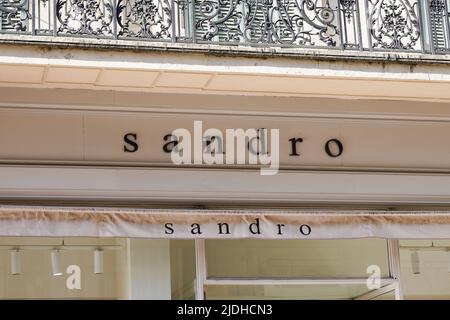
{"type": "Point", "coordinates": [51, 221]}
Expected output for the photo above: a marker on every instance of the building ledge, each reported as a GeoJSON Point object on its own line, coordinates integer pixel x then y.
{"type": "Point", "coordinates": [82, 63]}
{"type": "Point", "coordinates": [320, 54]}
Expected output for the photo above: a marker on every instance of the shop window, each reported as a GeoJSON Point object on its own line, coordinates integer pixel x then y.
{"type": "Point", "coordinates": [182, 267]}
{"type": "Point", "coordinates": [96, 268]}
{"type": "Point", "coordinates": [298, 269]}
{"type": "Point", "coordinates": [295, 258]}
{"type": "Point", "coordinates": [425, 269]}
{"type": "Point", "coordinates": [114, 268]}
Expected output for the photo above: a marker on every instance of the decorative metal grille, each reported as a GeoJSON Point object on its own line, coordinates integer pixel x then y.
{"type": "Point", "coordinates": [150, 19]}
{"type": "Point", "coordinates": [14, 15]}
{"type": "Point", "coordinates": [349, 20]}
{"type": "Point", "coordinates": [289, 22]}
{"type": "Point", "coordinates": [439, 19]}
{"type": "Point", "coordinates": [394, 24]}
{"type": "Point", "coordinates": [89, 17]}
{"type": "Point", "coordinates": [389, 25]}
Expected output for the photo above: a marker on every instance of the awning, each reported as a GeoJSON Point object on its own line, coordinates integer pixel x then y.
{"type": "Point", "coordinates": [51, 221]}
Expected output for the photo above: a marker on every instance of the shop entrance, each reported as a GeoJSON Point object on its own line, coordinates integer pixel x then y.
{"type": "Point", "coordinates": [126, 268]}
{"type": "Point", "coordinates": [298, 269]}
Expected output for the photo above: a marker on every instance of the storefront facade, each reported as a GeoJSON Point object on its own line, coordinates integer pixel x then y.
{"type": "Point", "coordinates": [350, 202]}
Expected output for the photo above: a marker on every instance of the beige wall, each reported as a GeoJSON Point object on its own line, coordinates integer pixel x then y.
{"type": "Point", "coordinates": [97, 137]}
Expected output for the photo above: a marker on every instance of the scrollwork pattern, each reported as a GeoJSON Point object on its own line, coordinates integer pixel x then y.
{"type": "Point", "coordinates": [292, 22]}
{"type": "Point", "coordinates": [145, 18]}
{"type": "Point", "coordinates": [394, 24]}
{"type": "Point", "coordinates": [16, 14]}
{"type": "Point", "coordinates": [346, 24]}
{"type": "Point", "coordinates": [90, 17]}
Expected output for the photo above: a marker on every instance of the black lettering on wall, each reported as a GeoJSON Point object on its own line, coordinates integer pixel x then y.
{"type": "Point", "coordinates": [195, 228]}
{"type": "Point", "coordinates": [172, 143]}
{"type": "Point", "coordinates": [294, 142]}
{"type": "Point", "coordinates": [254, 225]}
{"type": "Point", "coordinates": [169, 228]}
{"type": "Point", "coordinates": [210, 140]}
{"type": "Point", "coordinates": [305, 230]}
{"type": "Point", "coordinates": [130, 140]}
{"type": "Point", "coordinates": [280, 228]}
{"type": "Point", "coordinates": [334, 148]}
{"type": "Point", "coordinates": [223, 224]}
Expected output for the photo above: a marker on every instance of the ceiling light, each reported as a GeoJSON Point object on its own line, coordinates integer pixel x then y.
{"type": "Point", "coordinates": [415, 261]}
{"type": "Point", "coordinates": [56, 262]}
{"type": "Point", "coordinates": [15, 261]}
{"type": "Point", "coordinates": [98, 261]}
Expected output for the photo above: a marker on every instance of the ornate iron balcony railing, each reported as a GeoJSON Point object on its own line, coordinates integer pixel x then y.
{"type": "Point", "coordinates": [389, 25]}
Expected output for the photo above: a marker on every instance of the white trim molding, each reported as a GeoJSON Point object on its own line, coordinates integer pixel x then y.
{"type": "Point", "coordinates": [205, 185]}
